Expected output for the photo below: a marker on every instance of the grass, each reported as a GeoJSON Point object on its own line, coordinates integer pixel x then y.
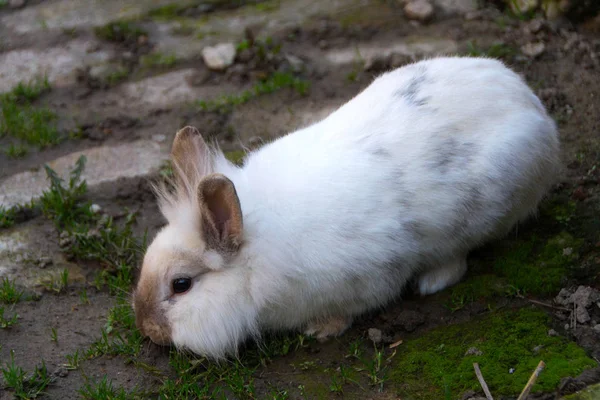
{"type": "Point", "coordinates": [500, 51]}
{"type": "Point", "coordinates": [103, 390]}
{"type": "Point", "coordinates": [7, 217]}
{"type": "Point", "coordinates": [9, 294]}
{"type": "Point", "coordinates": [435, 365]}
{"type": "Point", "coordinates": [273, 83]}
{"type": "Point", "coordinates": [120, 32]}
{"type": "Point", "coordinates": [158, 60]}
{"type": "Point", "coordinates": [19, 119]}
{"type": "Point", "coordinates": [5, 321]}
{"type": "Point", "coordinates": [23, 385]}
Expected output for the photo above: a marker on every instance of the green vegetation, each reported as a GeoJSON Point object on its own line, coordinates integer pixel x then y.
{"type": "Point", "coordinates": [436, 365]}
{"type": "Point", "coordinates": [158, 60]}
{"type": "Point", "coordinates": [273, 83]}
{"type": "Point", "coordinates": [57, 284]}
{"type": "Point", "coordinates": [500, 50]}
{"type": "Point", "coordinates": [9, 294]}
{"type": "Point", "coordinates": [121, 31]}
{"type": "Point", "coordinates": [22, 385]}
{"type": "Point", "coordinates": [7, 217]}
{"type": "Point", "coordinates": [6, 321]}
{"type": "Point", "coordinates": [22, 121]}
{"type": "Point", "coordinates": [103, 390]}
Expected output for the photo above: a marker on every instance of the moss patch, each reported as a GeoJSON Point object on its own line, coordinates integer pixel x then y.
{"type": "Point", "coordinates": [538, 266]}
{"type": "Point", "coordinates": [434, 366]}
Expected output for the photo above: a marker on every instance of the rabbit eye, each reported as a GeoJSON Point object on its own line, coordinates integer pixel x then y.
{"type": "Point", "coordinates": [181, 285]}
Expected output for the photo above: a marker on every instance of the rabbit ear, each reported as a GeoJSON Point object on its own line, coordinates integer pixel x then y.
{"type": "Point", "coordinates": [221, 213]}
{"type": "Point", "coordinates": [191, 157]}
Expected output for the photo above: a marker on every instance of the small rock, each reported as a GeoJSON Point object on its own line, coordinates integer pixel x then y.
{"type": "Point", "coordinates": [538, 348]}
{"type": "Point", "coordinates": [533, 50]}
{"type": "Point", "coordinates": [582, 315]}
{"type": "Point", "coordinates": [64, 240]}
{"type": "Point", "coordinates": [567, 327]}
{"type": "Point", "coordinates": [420, 10]}
{"type": "Point", "coordinates": [295, 62]}
{"type": "Point", "coordinates": [375, 335]}
{"type": "Point", "coordinates": [159, 138]}
{"type": "Point", "coordinates": [43, 262]}
{"type": "Point", "coordinates": [564, 297]}
{"type": "Point", "coordinates": [95, 208]}
{"type": "Point", "coordinates": [534, 26]}
{"type": "Point", "coordinates": [585, 296]}
{"type": "Point", "coordinates": [552, 332]}
{"type": "Point", "coordinates": [16, 3]}
{"type": "Point", "coordinates": [596, 328]}
{"type": "Point", "coordinates": [219, 57]}
{"type": "Point", "coordinates": [473, 351]}
{"type": "Point", "coordinates": [61, 372]}
{"type": "Point", "coordinates": [511, 371]}
{"type": "Point", "coordinates": [567, 251]}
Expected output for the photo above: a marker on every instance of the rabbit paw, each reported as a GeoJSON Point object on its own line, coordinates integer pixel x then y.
{"type": "Point", "coordinates": [324, 329]}
{"type": "Point", "coordinates": [434, 280]}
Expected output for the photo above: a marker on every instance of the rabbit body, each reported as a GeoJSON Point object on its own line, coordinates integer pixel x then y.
{"type": "Point", "coordinates": [398, 184]}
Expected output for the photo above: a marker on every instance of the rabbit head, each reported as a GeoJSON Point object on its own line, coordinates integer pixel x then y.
{"type": "Point", "coordinates": [188, 293]}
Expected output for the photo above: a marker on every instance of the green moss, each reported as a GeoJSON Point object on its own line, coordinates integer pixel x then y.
{"type": "Point", "coordinates": [537, 266]}
{"type": "Point", "coordinates": [435, 366]}
{"type": "Point", "coordinates": [476, 288]}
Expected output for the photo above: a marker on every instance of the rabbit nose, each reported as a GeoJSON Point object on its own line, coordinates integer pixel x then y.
{"type": "Point", "coordinates": [155, 332]}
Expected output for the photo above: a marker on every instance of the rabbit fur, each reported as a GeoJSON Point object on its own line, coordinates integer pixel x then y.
{"type": "Point", "coordinates": [428, 162]}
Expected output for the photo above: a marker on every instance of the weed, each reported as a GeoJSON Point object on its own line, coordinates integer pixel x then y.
{"type": "Point", "coordinates": [16, 150]}
{"type": "Point", "coordinates": [7, 217]}
{"type": "Point", "coordinates": [83, 297]}
{"type": "Point", "coordinates": [158, 60]}
{"type": "Point", "coordinates": [23, 386]}
{"type": "Point", "coordinates": [121, 31]}
{"type": "Point", "coordinates": [273, 83]}
{"type": "Point", "coordinates": [336, 385]}
{"type": "Point", "coordinates": [58, 284]}
{"type": "Point", "coordinates": [19, 119]}
{"type": "Point", "coordinates": [53, 335]}
{"type": "Point", "coordinates": [7, 322]}
{"type": "Point", "coordinates": [62, 204]}
{"type": "Point", "coordinates": [9, 294]}
{"type": "Point", "coordinates": [72, 361]}
{"type": "Point", "coordinates": [116, 76]}
{"type": "Point", "coordinates": [103, 390]}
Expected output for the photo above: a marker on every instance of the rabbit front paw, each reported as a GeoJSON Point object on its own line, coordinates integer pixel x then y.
{"type": "Point", "coordinates": [324, 329]}
{"type": "Point", "coordinates": [446, 275]}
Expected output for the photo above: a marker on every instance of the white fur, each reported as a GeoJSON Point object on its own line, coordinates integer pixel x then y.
{"type": "Point", "coordinates": [402, 181]}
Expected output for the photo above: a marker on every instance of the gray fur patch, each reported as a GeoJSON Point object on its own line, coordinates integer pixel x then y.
{"type": "Point", "coordinates": [411, 92]}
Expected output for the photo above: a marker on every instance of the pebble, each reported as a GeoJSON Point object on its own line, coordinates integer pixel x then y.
{"type": "Point", "coordinates": [552, 332]}
{"type": "Point", "coordinates": [473, 351]}
{"type": "Point", "coordinates": [533, 50]}
{"type": "Point", "coordinates": [219, 57]}
{"type": "Point", "coordinates": [95, 208]}
{"type": "Point", "coordinates": [511, 371]}
{"type": "Point", "coordinates": [538, 348]}
{"type": "Point", "coordinates": [420, 10]}
{"type": "Point", "coordinates": [375, 335]}
{"type": "Point", "coordinates": [43, 262]}
{"type": "Point", "coordinates": [61, 372]}
{"type": "Point", "coordinates": [596, 328]}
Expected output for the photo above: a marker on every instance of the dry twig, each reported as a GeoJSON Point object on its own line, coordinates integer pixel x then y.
{"type": "Point", "coordinates": [488, 395]}
{"type": "Point", "coordinates": [531, 381]}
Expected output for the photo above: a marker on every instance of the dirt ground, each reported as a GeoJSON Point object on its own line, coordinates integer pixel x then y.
{"type": "Point", "coordinates": [566, 77]}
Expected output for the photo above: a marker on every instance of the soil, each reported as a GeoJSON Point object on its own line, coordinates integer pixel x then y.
{"type": "Point", "coordinates": [565, 76]}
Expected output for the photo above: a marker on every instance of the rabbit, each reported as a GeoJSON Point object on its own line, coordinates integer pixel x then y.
{"type": "Point", "coordinates": [336, 219]}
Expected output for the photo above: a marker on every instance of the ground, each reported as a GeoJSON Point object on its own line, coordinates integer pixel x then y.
{"type": "Point", "coordinates": [113, 81]}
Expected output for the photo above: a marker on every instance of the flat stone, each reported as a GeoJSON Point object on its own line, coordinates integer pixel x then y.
{"type": "Point", "coordinates": [57, 63]}
{"type": "Point", "coordinates": [420, 10]}
{"type": "Point", "coordinates": [104, 164]}
{"type": "Point", "coordinates": [219, 57]}
{"type": "Point", "coordinates": [65, 14]}
{"type": "Point", "coordinates": [410, 46]}
{"type": "Point", "coordinates": [21, 248]}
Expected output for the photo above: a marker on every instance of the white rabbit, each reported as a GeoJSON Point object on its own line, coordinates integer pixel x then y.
{"type": "Point", "coordinates": [330, 221]}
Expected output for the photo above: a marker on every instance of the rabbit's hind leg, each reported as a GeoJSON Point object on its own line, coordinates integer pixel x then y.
{"type": "Point", "coordinates": [436, 279]}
